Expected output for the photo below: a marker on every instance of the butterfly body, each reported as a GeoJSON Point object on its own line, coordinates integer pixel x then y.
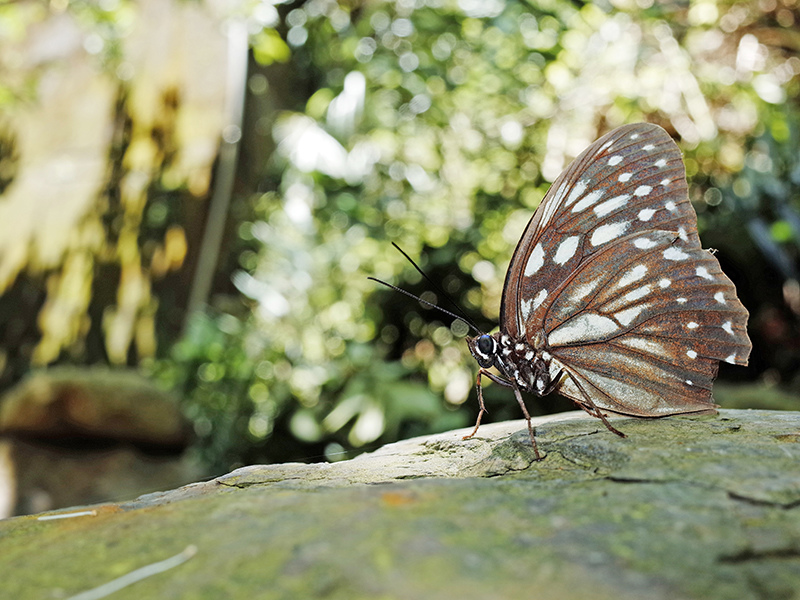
{"type": "Point", "coordinates": [516, 359]}
{"type": "Point", "coordinates": [609, 298]}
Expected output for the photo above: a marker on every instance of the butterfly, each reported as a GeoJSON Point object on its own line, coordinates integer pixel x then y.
{"type": "Point", "coordinates": [609, 299]}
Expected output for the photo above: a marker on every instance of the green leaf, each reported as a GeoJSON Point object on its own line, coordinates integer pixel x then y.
{"type": "Point", "coordinates": [269, 47]}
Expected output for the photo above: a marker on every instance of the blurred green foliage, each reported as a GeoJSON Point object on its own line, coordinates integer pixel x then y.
{"type": "Point", "coordinates": [439, 125]}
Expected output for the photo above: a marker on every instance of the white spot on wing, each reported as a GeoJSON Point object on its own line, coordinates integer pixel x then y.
{"type": "Point", "coordinates": [540, 297]}
{"type": "Point", "coordinates": [535, 261]}
{"type": "Point", "coordinates": [673, 253]}
{"type": "Point", "coordinates": [703, 272]}
{"type": "Point", "coordinates": [614, 160]}
{"type": "Point", "coordinates": [682, 234]}
{"type": "Point", "coordinates": [645, 345]}
{"type": "Point", "coordinates": [691, 354]}
{"type": "Point", "coordinates": [551, 204]}
{"type": "Point", "coordinates": [580, 292]}
{"type": "Point", "coordinates": [638, 293]}
{"type": "Point", "coordinates": [726, 326]}
{"type": "Point", "coordinates": [576, 191]}
{"type": "Point", "coordinates": [660, 163]}
{"type": "Point", "coordinates": [602, 209]}
{"type": "Point", "coordinates": [587, 200]}
{"type": "Point", "coordinates": [681, 300]}
{"type": "Point", "coordinates": [525, 309]}
{"type": "Point", "coordinates": [644, 243]}
{"type": "Point", "coordinates": [648, 147]}
{"type": "Point", "coordinates": [586, 327]}
{"type": "Point", "coordinates": [566, 249]}
{"type": "Point", "coordinates": [719, 297]}
{"type": "Point", "coordinates": [606, 233]}
{"type": "Point", "coordinates": [670, 206]}
{"type": "Point", "coordinates": [689, 382]}
{"type": "Point", "coordinates": [646, 214]}
{"type": "Point", "coordinates": [634, 274]}
{"type": "Point", "coordinates": [692, 325]}
{"type": "Point", "coordinates": [626, 317]}
{"type": "Point", "coordinates": [625, 177]}
{"type": "Point", "coordinates": [731, 359]}
{"type": "Point", "coordinates": [642, 190]}
{"type": "Point", "coordinates": [664, 283]}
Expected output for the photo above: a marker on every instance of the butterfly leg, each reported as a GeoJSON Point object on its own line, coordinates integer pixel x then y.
{"type": "Point", "coordinates": [554, 383]}
{"type": "Point", "coordinates": [595, 412]}
{"type": "Point", "coordinates": [518, 395]}
{"type": "Point", "coordinates": [481, 405]}
{"type": "Point", "coordinates": [591, 408]}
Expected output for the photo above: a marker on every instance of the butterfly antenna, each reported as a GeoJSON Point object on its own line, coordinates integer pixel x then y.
{"type": "Point", "coordinates": [426, 303]}
{"type": "Point", "coordinates": [461, 314]}
{"type": "Point", "coordinates": [439, 289]}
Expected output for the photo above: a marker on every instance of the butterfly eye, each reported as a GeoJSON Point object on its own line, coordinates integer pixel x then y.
{"type": "Point", "coordinates": [487, 348]}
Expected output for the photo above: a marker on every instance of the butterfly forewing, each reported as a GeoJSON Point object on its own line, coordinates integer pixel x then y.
{"type": "Point", "coordinates": [629, 181]}
{"type": "Point", "coordinates": [610, 272]}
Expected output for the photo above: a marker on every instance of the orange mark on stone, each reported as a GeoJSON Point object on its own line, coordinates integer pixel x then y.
{"type": "Point", "coordinates": [398, 498]}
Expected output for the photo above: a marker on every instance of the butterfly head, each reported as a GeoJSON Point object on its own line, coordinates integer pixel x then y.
{"type": "Point", "coordinates": [484, 348]}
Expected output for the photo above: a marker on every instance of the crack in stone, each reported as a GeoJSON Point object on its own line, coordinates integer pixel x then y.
{"type": "Point", "coordinates": [731, 495]}
{"type": "Point", "coordinates": [749, 554]}
{"type": "Point", "coordinates": [669, 481]}
{"type": "Point", "coordinates": [248, 484]}
{"type": "Point", "coordinates": [571, 460]}
{"type": "Point", "coordinates": [509, 469]}
{"type": "Point", "coordinates": [762, 502]}
{"type": "Point", "coordinates": [574, 436]}
{"type": "Point", "coordinates": [238, 486]}
{"type": "Point", "coordinates": [617, 479]}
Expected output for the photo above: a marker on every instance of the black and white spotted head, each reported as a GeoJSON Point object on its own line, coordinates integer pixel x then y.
{"type": "Point", "coordinates": [485, 349]}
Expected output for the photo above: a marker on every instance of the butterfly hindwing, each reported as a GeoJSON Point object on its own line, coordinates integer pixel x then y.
{"type": "Point", "coordinates": [643, 325]}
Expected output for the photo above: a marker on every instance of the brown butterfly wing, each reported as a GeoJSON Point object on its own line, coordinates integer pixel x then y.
{"type": "Point", "coordinates": [591, 273]}
{"type": "Point", "coordinates": [640, 328]}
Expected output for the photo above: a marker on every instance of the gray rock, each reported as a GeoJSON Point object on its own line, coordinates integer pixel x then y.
{"type": "Point", "coordinates": [73, 435]}
{"type": "Point", "coordinates": [703, 507]}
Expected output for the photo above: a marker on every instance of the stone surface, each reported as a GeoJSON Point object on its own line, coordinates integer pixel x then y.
{"type": "Point", "coordinates": [74, 435]}
{"type": "Point", "coordinates": [115, 404]}
{"type": "Point", "coordinates": [682, 508]}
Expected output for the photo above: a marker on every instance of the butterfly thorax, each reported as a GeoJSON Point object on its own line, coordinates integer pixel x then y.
{"type": "Point", "coordinates": [522, 365]}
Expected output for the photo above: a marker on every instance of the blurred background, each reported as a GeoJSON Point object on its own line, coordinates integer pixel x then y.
{"type": "Point", "coordinates": [194, 192]}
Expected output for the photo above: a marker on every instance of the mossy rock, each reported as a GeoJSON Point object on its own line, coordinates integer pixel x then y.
{"type": "Point", "coordinates": [682, 508]}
